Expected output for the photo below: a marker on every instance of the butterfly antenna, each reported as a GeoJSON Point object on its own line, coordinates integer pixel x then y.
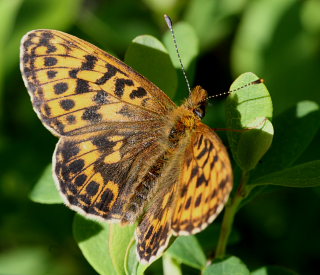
{"type": "Point", "coordinates": [169, 23]}
{"type": "Point", "coordinates": [258, 81]}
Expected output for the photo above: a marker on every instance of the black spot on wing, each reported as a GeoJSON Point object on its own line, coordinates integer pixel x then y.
{"type": "Point", "coordinates": [92, 188]}
{"type": "Point", "coordinates": [51, 74]}
{"type": "Point", "coordinates": [198, 201]}
{"type": "Point", "coordinates": [50, 61]}
{"type": "Point", "coordinates": [89, 63]}
{"type": "Point", "coordinates": [82, 86]}
{"type": "Point", "coordinates": [112, 70]}
{"type": "Point", "coordinates": [60, 88]}
{"type": "Point", "coordinates": [139, 93]}
{"type": "Point", "coordinates": [76, 166]}
{"type": "Point", "coordinates": [80, 180]}
{"type": "Point", "coordinates": [91, 114]}
{"type": "Point", "coordinates": [71, 119]}
{"type": "Point", "coordinates": [201, 180]}
{"type": "Point", "coordinates": [101, 97]}
{"type": "Point", "coordinates": [120, 84]}
{"type": "Point", "coordinates": [188, 203]}
{"type": "Point", "coordinates": [67, 104]}
{"type": "Point", "coordinates": [103, 143]}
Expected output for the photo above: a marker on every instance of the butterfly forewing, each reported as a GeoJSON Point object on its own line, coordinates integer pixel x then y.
{"type": "Point", "coordinates": [74, 85]}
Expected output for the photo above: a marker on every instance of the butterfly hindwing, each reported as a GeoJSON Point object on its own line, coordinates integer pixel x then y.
{"type": "Point", "coordinates": [204, 185]}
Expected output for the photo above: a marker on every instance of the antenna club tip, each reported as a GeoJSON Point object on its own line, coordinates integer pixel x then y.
{"type": "Point", "coordinates": [258, 81]}
{"type": "Point", "coordinates": [168, 20]}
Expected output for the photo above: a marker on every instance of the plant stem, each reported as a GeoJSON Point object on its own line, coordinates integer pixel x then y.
{"type": "Point", "coordinates": [228, 218]}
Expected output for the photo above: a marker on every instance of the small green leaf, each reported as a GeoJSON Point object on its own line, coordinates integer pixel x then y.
{"type": "Point", "coordinates": [249, 106]}
{"type": "Point", "coordinates": [273, 270]}
{"type": "Point", "coordinates": [107, 246]}
{"type": "Point", "coordinates": [186, 249]}
{"type": "Point", "coordinates": [149, 57]}
{"type": "Point", "coordinates": [303, 175]}
{"type": "Point", "coordinates": [45, 190]}
{"type": "Point", "coordinates": [133, 265]}
{"type": "Point", "coordinates": [253, 144]}
{"type": "Point", "coordinates": [294, 131]}
{"type": "Point", "coordinates": [231, 265]}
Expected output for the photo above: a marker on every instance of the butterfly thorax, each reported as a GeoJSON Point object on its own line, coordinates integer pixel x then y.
{"type": "Point", "coordinates": [186, 117]}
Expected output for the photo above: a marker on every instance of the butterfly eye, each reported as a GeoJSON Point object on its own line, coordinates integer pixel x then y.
{"type": "Point", "coordinates": [200, 111]}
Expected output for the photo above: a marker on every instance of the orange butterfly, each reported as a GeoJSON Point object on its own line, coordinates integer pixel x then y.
{"type": "Point", "coordinates": [126, 152]}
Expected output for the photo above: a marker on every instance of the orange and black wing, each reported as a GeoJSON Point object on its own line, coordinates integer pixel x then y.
{"type": "Point", "coordinates": [204, 185]}
{"type": "Point", "coordinates": [75, 86]}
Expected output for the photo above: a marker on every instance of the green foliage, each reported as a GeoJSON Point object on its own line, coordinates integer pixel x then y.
{"type": "Point", "coordinates": [276, 147]}
{"type": "Point", "coordinates": [230, 265]}
{"type": "Point", "coordinates": [45, 190]}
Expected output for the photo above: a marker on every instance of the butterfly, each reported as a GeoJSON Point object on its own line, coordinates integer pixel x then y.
{"type": "Point", "coordinates": [126, 152]}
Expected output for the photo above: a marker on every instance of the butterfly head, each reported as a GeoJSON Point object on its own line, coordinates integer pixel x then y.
{"type": "Point", "coordinates": [197, 101]}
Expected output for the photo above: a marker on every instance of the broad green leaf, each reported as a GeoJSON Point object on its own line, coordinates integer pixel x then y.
{"type": "Point", "coordinates": [106, 246]}
{"type": "Point", "coordinates": [45, 190]}
{"type": "Point", "coordinates": [273, 270]}
{"type": "Point", "coordinates": [149, 57]}
{"type": "Point", "coordinates": [93, 238]}
{"type": "Point", "coordinates": [230, 265]}
{"type": "Point", "coordinates": [186, 249]}
{"type": "Point", "coordinates": [170, 265]}
{"type": "Point", "coordinates": [303, 175]}
{"type": "Point", "coordinates": [294, 131]}
{"type": "Point", "coordinates": [249, 106]}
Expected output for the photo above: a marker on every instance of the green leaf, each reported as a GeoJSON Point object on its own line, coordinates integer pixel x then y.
{"type": "Point", "coordinates": [273, 270]}
{"type": "Point", "coordinates": [132, 265]}
{"type": "Point", "coordinates": [303, 175]}
{"type": "Point", "coordinates": [170, 265]}
{"type": "Point", "coordinates": [294, 131]}
{"type": "Point", "coordinates": [45, 190]}
{"type": "Point", "coordinates": [249, 106]}
{"type": "Point", "coordinates": [253, 144]}
{"type": "Point", "coordinates": [186, 249]}
{"type": "Point", "coordinates": [107, 246]}
{"type": "Point", "coordinates": [149, 57]}
{"type": "Point", "coordinates": [231, 265]}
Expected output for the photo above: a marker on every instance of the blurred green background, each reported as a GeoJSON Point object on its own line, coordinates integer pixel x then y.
{"type": "Point", "coordinates": [277, 40]}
